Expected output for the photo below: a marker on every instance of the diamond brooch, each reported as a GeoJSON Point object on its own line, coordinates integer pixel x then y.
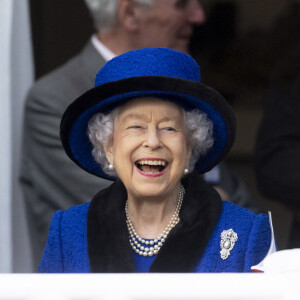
{"type": "Point", "coordinates": [228, 239]}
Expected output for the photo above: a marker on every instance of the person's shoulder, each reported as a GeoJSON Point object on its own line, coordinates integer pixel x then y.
{"type": "Point", "coordinates": [75, 215]}
{"type": "Point", "coordinates": [68, 81]}
{"type": "Point", "coordinates": [254, 226]}
{"type": "Point", "coordinates": [54, 91]}
{"type": "Point", "coordinates": [249, 235]}
{"type": "Point", "coordinates": [234, 213]}
{"type": "Point", "coordinates": [76, 212]}
{"type": "Point", "coordinates": [57, 78]}
{"type": "Point", "coordinates": [66, 248]}
{"type": "Point", "coordinates": [230, 207]}
{"type": "Point", "coordinates": [248, 225]}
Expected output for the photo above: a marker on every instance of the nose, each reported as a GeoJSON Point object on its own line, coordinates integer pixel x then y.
{"type": "Point", "coordinates": [152, 139]}
{"type": "Point", "coordinates": [196, 14]}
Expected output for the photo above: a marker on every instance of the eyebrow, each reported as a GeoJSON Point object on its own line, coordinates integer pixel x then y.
{"type": "Point", "coordinates": [143, 116]}
{"type": "Point", "coordinates": [136, 116]}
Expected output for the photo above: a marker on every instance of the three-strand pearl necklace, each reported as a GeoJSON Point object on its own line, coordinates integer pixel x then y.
{"type": "Point", "coordinates": [152, 246]}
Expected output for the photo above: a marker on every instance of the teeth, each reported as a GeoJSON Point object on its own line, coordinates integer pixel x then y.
{"type": "Point", "coordinates": [152, 162]}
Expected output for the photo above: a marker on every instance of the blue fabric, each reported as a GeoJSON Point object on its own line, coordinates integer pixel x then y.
{"type": "Point", "coordinates": [149, 62]}
{"type": "Point", "coordinates": [254, 239]}
{"type": "Point", "coordinates": [142, 263]}
{"type": "Point", "coordinates": [66, 249]}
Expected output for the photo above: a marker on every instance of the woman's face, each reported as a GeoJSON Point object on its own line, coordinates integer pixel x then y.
{"type": "Point", "coordinates": [149, 149]}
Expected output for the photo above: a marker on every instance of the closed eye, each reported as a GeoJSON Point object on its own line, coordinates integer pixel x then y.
{"type": "Point", "coordinates": [135, 127]}
{"type": "Point", "coordinates": [169, 129]}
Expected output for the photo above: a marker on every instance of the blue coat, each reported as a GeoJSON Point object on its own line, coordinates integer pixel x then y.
{"type": "Point", "coordinates": [93, 237]}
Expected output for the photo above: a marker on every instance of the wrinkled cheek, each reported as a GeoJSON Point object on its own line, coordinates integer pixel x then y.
{"type": "Point", "coordinates": [123, 167]}
{"type": "Point", "coordinates": [179, 170]}
{"type": "Point", "coordinates": [183, 161]}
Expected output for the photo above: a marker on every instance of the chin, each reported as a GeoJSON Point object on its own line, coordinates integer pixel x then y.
{"type": "Point", "coordinates": [152, 189]}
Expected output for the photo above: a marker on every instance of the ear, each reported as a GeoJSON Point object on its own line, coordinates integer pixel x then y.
{"type": "Point", "coordinates": [128, 14]}
{"type": "Point", "coordinates": [109, 152]}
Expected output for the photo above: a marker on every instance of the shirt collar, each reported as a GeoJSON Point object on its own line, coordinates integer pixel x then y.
{"type": "Point", "coordinates": [101, 48]}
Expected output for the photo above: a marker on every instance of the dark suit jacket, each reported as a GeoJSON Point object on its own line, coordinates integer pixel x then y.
{"type": "Point", "coordinates": [50, 180]}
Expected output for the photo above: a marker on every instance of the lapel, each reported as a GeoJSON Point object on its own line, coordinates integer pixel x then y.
{"type": "Point", "coordinates": [108, 243]}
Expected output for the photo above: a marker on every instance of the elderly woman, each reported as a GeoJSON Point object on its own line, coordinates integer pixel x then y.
{"type": "Point", "coordinates": [150, 125]}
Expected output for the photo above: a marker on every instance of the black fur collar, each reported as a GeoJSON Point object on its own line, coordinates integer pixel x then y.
{"type": "Point", "coordinates": [107, 235]}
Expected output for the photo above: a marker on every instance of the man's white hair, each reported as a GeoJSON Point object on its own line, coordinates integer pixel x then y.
{"type": "Point", "coordinates": [104, 12]}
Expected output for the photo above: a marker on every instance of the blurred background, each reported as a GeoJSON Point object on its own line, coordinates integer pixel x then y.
{"type": "Point", "coordinates": [238, 49]}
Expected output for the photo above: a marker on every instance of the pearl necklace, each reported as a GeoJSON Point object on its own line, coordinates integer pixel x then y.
{"type": "Point", "coordinates": [151, 247]}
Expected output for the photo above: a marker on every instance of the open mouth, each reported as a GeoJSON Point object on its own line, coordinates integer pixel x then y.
{"type": "Point", "coordinates": [151, 166]}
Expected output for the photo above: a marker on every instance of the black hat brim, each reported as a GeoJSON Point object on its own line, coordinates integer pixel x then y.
{"type": "Point", "coordinates": [185, 93]}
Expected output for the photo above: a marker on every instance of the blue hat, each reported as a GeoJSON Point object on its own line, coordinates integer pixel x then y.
{"type": "Point", "coordinates": [151, 72]}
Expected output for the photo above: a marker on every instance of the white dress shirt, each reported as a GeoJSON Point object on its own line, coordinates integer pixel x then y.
{"type": "Point", "coordinates": [102, 49]}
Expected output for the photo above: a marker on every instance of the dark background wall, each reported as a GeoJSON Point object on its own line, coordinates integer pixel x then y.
{"type": "Point", "coordinates": [59, 29]}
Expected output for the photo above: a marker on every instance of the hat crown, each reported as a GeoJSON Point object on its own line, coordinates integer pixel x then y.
{"type": "Point", "coordinates": [149, 62]}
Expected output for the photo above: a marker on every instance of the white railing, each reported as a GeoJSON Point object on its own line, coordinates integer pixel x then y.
{"type": "Point", "coordinates": [5, 137]}
{"type": "Point", "coordinates": [16, 75]}
{"type": "Point", "coordinates": [150, 286]}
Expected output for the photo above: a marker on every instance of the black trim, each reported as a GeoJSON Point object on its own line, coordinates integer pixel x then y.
{"type": "Point", "coordinates": [108, 245]}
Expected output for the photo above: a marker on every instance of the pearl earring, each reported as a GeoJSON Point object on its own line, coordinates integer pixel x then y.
{"type": "Point", "coordinates": [111, 167]}
{"type": "Point", "coordinates": [186, 171]}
